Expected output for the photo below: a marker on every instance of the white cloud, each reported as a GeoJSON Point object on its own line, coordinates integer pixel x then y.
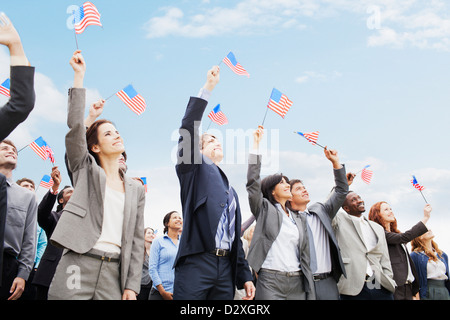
{"type": "Point", "coordinates": [314, 75]}
{"type": "Point", "coordinates": [248, 16]}
{"type": "Point", "coordinates": [393, 23]}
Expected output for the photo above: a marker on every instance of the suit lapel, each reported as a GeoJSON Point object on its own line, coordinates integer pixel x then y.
{"type": "Point", "coordinates": [129, 191]}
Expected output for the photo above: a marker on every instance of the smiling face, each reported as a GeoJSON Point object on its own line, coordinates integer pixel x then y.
{"type": "Point", "coordinates": [386, 213]}
{"type": "Point", "coordinates": [212, 148]}
{"type": "Point", "coordinates": [282, 191]}
{"type": "Point", "coordinates": [300, 195]}
{"type": "Point", "coordinates": [353, 204]}
{"type": "Point", "coordinates": [109, 141]}
{"type": "Point", "coordinates": [8, 155]}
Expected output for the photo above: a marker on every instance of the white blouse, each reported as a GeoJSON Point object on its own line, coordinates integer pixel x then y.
{"type": "Point", "coordinates": [284, 254]}
{"type": "Point", "coordinates": [111, 236]}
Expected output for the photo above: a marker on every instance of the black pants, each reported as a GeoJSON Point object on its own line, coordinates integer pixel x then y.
{"type": "Point", "coordinates": [10, 268]}
{"type": "Point", "coordinates": [370, 294]}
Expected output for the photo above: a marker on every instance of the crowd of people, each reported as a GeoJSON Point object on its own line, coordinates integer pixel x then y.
{"type": "Point", "coordinates": [93, 245]}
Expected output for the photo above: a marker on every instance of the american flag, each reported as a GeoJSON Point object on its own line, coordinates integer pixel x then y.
{"type": "Point", "coordinates": [310, 136]}
{"type": "Point", "coordinates": [4, 88]}
{"type": "Point", "coordinates": [366, 174]}
{"type": "Point", "coordinates": [132, 99]}
{"type": "Point", "coordinates": [46, 182]}
{"type": "Point", "coordinates": [84, 16]}
{"type": "Point", "coordinates": [144, 180]}
{"type": "Point", "coordinates": [41, 148]}
{"type": "Point", "coordinates": [416, 184]}
{"type": "Point", "coordinates": [230, 60]}
{"type": "Point", "coordinates": [218, 116]}
{"type": "Point", "coordinates": [50, 153]}
{"type": "Point", "coordinates": [279, 103]}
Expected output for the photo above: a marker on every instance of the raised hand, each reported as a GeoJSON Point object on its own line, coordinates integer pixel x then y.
{"type": "Point", "coordinates": [79, 67]}
{"type": "Point", "coordinates": [332, 155]}
{"type": "Point", "coordinates": [10, 37]}
{"type": "Point", "coordinates": [257, 136]}
{"type": "Point", "coordinates": [212, 78]}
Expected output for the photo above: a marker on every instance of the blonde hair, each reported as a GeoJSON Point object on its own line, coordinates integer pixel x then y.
{"type": "Point", "coordinates": [418, 245]}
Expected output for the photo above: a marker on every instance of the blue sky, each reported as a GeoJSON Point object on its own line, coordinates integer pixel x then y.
{"type": "Point", "coordinates": [372, 77]}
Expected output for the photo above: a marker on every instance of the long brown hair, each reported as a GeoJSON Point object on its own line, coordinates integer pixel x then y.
{"type": "Point", "coordinates": [418, 245]}
{"type": "Point", "coordinates": [92, 137]}
{"type": "Point", "coordinates": [375, 216]}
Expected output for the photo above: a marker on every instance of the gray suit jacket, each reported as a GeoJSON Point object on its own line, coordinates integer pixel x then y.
{"type": "Point", "coordinates": [355, 255]}
{"type": "Point", "coordinates": [80, 224]}
{"type": "Point", "coordinates": [326, 211]}
{"type": "Point", "coordinates": [268, 225]}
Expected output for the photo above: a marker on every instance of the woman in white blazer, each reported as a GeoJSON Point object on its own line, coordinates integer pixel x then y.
{"type": "Point", "coordinates": [102, 225]}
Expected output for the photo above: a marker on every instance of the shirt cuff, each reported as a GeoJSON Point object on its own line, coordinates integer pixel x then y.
{"type": "Point", "coordinates": [204, 94]}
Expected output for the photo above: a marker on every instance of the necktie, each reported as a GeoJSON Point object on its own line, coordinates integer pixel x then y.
{"type": "Point", "coordinates": [231, 213]}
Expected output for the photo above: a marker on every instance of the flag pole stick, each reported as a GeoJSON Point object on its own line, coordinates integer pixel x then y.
{"type": "Point", "coordinates": [110, 97]}
{"type": "Point", "coordinates": [423, 197]}
{"type": "Point", "coordinates": [75, 33]}
{"type": "Point", "coordinates": [22, 148]}
{"type": "Point", "coordinates": [267, 109]}
{"type": "Point", "coordinates": [208, 126]}
{"type": "Point", "coordinates": [312, 141]}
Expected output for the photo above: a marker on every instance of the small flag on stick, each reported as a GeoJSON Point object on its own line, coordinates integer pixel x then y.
{"type": "Point", "coordinates": [42, 149]}
{"type": "Point", "coordinates": [46, 182]}
{"type": "Point", "coordinates": [218, 116]}
{"type": "Point", "coordinates": [4, 88]}
{"type": "Point", "coordinates": [86, 15]}
{"type": "Point", "coordinates": [311, 137]}
{"type": "Point", "coordinates": [236, 67]}
{"type": "Point", "coordinates": [366, 174]}
{"type": "Point", "coordinates": [418, 187]}
{"type": "Point", "coordinates": [279, 103]}
{"type": "Point", "coordinates": [132, 99]}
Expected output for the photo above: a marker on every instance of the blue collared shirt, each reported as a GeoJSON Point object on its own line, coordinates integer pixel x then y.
{"type": "Point", "coordinates": [162, 257]}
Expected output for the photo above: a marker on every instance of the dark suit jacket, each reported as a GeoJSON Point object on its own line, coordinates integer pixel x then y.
{"type": "Point", "coordinates": [21, 102]}
{"type": "Point", "coordinates": [48, 219]}
{"type": "Point", "coordinates": [3, 208]}
{"type": "Point", "coordinates": [204, 193]}
{"type": "Point", "coordinates": [399, 257]}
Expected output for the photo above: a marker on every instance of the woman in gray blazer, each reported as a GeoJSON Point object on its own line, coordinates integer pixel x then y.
{"type": "Point", "coordinates": [279, 252]}
{"type": "Point", "coordinates": [102, 226]}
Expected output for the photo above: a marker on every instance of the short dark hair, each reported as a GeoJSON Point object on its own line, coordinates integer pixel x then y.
{"type": "Point", "coordinates": [26, 180]}
{"type": "Point", "coordinates": [59, 196]}
{"type": "Point", "coordinates": [269, 183]}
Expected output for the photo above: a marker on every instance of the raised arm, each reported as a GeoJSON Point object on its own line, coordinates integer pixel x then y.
{"type": "Point", "coordinates": [339, 192]}
{"type": "Point", "coordinates": [22, 99]}
{"type": "Point", "coordinates": [189, 143]}
{"type": "Point", "coordinates": [76, 146]}
{"type": "Point", "coordinates": [255, 196]}
{"type": "Point", "coordinates": [416, 231]}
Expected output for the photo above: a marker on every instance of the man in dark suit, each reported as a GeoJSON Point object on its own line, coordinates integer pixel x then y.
{"type": "Point", "coordinates": [47, 219]}
{"type": "Point", "coordinates": [210, 262]}
{"type": "Point", "coordinates": [326, 261]}
{"type": "Point", "coordinates": [18, 107]}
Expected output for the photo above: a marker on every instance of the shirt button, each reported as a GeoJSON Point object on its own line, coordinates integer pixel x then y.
{"type": "Point", "coordinates": [222, 205]}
